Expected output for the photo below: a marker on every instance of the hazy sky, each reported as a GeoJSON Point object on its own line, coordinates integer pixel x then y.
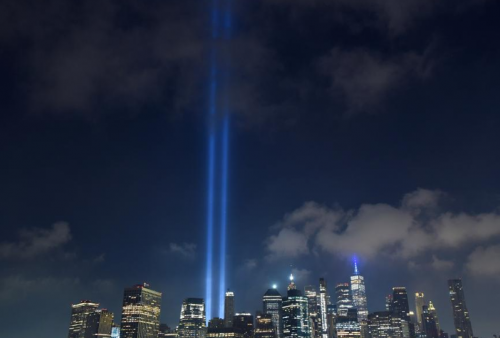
{"type": "Point", "coordinates": [358, 127]}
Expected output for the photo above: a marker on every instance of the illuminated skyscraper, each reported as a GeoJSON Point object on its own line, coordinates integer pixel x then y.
{"type": "Point", "coordinates": [312, 298]}
{"type": "Point", "coordinates": [264, 327]}
{"type": "Point", "coordinates": [323, 309]}
{"type": "Point", "coordinates": [313, 310]}
{"type": "Point", "coordinates": [273, 305]}
{"type": "Point", "coordinates": [359, 293]}
{"type": "Point", "coordinates": [79, 314]}
{"type": "Point", "coordinates": [192, 321]}
{"type": "Point", "coordinates": [295, 314]}
{"type": "Point", "coordinates": [344, 302]}
{"type": "Point", "coordinates": [385, 324]}
{"type": "Point", "coordinates": [229, 309]}
{"type": "Point", "coordinates": [461, 317]}
{"type": "Point", "coordinates": [419, 303]}
{"type": "Point", "coordinates": [99, 324]}
{"type": "Point", "coordinates": [140, 312]}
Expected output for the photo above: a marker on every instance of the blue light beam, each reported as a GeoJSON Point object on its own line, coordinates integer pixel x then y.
{"type": "Point", "coordinates": [225, 171]}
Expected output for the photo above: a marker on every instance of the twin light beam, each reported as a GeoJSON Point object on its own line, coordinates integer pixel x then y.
{"type": "Point", "coordinates": [218, 136]}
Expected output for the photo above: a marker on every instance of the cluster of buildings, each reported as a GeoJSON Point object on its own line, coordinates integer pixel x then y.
{"type": "Point", "coordinates": [313, 313]}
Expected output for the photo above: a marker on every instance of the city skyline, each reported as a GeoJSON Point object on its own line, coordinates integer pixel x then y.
{"type": "Point", "coordinates": [216, 147]}
{"type": "Point", "coordinates": [193, 317]}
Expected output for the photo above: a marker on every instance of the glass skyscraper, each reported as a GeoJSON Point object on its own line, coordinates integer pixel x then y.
{"type": "Point", "coordinates": [461, 317]}
{"type": "Point", "coordinates": [79, 314]}
{"type": "Point", "coordinates": [385, 324]}
{"type": "Point", "coordinates": [140, 312]}
{"type": "Point", "coordinates": [400, 306]}
{"type": "Point", "coordinates": [99, 324]}
{"type": "Point", "coordinates": [359, 294]}
{"type": "Point", "coordinates": [344, 301]}
{"type": "Point", "coordinates": [273, 305]}
{"type": "Point", "coordinates": [323, 307]}
{"type": "Point", "coordinates": [295, 314]}
{"type": "Point", "coordinates": [419, 303]}
{"type": "Point", "coordinates": [192, 321]}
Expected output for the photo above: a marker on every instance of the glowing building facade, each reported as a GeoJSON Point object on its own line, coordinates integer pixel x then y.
{"type": "Point", "coordinates": [323, 296]}
{"type": "Point", "coordinates": [344, 301]}
{"type": "Point", "coordinates": [313, 306]}
{"type": "Point", "coordinates": [358, 291]}
{"type": "Point", "coordinates": [461, 316]}
{"type": "Point", "coordinates": [419, 303]}
{"type": "Point", "coordinates": [79, 314]}
{"type": "Point", "coordinates": [385, 324]}
{"type": "Point", "coordinates": [295, 313]}
{"type": "Point", "coordinates": [140, 312]}
{"type": "Point", "coordinates": [229, 309]}
{"type": "Point", "coordinates": [99, 324]}
{"type": "Point", "coordinates": [348, 326]}
{"type": "Point", "coordinates": [264, 326]}
{"type": "Point", "coordinates": [193, 319]}
{"type": "Point", "coordinates": [273, 305]}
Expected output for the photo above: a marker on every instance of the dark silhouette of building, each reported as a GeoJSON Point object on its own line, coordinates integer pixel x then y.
{"type": "Point", "coordinates": [400, 306]}
{"type": "Point", "coordinates": [429, 326]}
{"type": "Point", "coordinates": [461, 317]}
{"type": "Point", "coordinates": [216, 323]}
{"type": "Point", "coordinates": [244, 323]}
{"type": "Point", "coordinates": [229, 309]}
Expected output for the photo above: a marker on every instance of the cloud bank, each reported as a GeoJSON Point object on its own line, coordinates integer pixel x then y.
{"type": "Point", "coordinates": [414, 229]}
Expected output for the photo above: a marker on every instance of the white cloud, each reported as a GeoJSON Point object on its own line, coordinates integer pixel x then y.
{"type": "Point", "coordinates": [36, 241]}
{"type": "Point", "coordinates": [485, 261]}
{"type": "Point", "coordinates": [186, 250]}
{"type": "Point", "coordinates": [288, 243]}
{"type": "Point", "coordinates": [382, 229]}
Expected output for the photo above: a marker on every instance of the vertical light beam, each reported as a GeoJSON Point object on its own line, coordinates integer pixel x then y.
{"type": "Point", "coordinates": [225, 162]}
{"type": "Point", "coordinates": [211, 164]}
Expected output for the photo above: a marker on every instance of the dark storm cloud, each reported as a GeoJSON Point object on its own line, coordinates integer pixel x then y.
{"type": "Point", "coordinates": [36, 241]}
{"type": "Point", "coordinates": [382, 230]}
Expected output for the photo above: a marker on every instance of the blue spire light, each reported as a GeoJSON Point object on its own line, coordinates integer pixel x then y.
{"type": "Point", "coordinates": [356, 272]}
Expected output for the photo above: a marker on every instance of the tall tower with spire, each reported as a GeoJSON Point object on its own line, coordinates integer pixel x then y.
{"type": "Point", "coordinates": [358, 292]}
{"type": "Point", "coordinates": [291, 286]}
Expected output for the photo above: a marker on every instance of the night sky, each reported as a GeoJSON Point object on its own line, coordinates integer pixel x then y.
{"type": "Point", "coordinates": [358, 127]}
